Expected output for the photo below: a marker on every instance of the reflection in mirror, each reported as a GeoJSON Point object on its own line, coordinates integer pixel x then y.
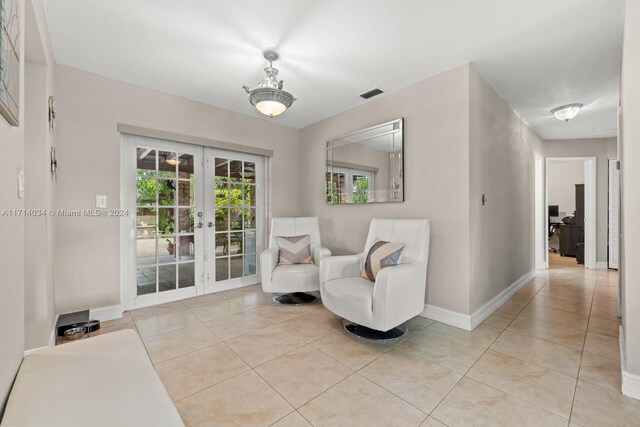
{"type": "Point", "coordinates": [366, 166]}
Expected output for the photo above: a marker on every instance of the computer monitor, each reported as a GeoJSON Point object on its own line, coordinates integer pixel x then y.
{"type": "Point", "coordinates": [554, 211]}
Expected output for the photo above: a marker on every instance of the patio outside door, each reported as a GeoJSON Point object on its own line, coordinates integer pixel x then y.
{"type": "Point", "coordinates": [196, 220]}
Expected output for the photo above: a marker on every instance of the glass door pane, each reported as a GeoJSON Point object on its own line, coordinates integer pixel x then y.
{"type": "Point", "coordinates": [165, 216]}
{"type": "Point", "coordinates": [238, 203]}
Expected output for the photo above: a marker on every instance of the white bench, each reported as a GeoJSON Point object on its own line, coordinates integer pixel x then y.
{"type": "Point", "coordinates": [107, 380]}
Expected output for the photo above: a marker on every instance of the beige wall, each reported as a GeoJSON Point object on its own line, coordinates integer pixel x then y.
{"type": "Point", "coordinates": [501, 167]}
{"type": "Point", "coordinates": [436, 178]}
{"type": "Point", "coordinates": [562, 178]}
{"type": "Point", "coordinates": [39, 301]}
{"type": "Point", "coordinates": [12, 251]}
{"type": "Point", "coordinates": [603, 149]}
{"type": "Point", "coordinates": [89, 107]}
{"type": "Point", "coordinates": [630, 177]}
{"type": "Point", "coordinates": [38, 233]}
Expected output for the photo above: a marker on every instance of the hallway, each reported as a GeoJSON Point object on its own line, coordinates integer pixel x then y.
{"type": "Point", "coordinates": [575, 309]}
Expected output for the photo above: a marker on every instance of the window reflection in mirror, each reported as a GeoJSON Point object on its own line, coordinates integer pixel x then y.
{"type": "Point", "coordinates": [366, 166]}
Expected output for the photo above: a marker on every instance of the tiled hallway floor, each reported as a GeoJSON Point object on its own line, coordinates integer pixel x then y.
{"type": "Point", "coordinates": [549, 356]}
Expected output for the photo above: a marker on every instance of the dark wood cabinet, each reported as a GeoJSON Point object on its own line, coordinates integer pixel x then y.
{"type": "Point", "coordinates": [571, 235]}
{"type": "Point", "coordinates": [580, 205]}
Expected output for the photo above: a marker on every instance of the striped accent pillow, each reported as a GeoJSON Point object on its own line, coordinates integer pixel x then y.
{"type": "Point", "coordinates": [381, 254]}
{"type": "Point", "coordinates": [294, 250]}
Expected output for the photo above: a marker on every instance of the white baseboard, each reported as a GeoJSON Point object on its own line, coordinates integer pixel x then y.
{"type": "Point", "coordinates": [33, 350]}
{"type": "Point", "coordinates": [630, 382]}
{"type": "Point", "coordinates": [52, 339]}
{"type": "Point", "coordinates": [54, 332]}
{"type": "Point", "coordinates": [106, 313]}
{"type": "Point", "coordinates": [449, 317]}
{"type": "Point", "coordinates": [232, 286]}
{"type": "Point", "coordinates": [602, 265]}
{"type": "Point", "coordinates": [492, 305]}
{"type": "Point", "coordinates": [469, 322]}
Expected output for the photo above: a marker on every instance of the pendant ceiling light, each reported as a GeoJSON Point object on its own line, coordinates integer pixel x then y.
{"type": "Point", "coordinates": [566, 112]}
{"type": "Point", "coordinates": [172, 159]}
{"type": "Point", "coordinates": [268, 97]}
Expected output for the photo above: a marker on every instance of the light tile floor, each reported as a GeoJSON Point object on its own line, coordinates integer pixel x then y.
{"type": "Point", "coordinates": [549, 356]}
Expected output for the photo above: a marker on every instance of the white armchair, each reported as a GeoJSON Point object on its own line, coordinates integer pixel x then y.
{"type": "Point", "coordinates": [378, 310]}
{"type": "Point", "coordinates": [297, 281]}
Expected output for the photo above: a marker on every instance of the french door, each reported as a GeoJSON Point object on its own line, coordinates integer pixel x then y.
{"type": "Point", "coordinates": [196, 220]}
{"type": "Point", "coordinates": [235, 210]}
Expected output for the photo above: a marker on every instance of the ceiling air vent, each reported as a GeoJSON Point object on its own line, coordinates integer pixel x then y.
{"type": "Point", "coordinates": [371, 93]}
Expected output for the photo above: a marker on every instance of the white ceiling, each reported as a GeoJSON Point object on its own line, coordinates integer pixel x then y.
{"type": "Point", "coordinates": [536, 54]}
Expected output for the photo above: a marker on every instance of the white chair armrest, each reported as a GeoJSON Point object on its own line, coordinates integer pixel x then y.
{"type": "Point", "coordinates": [335, 267]}
{"type": "Point", "coordinates": [319, 254]}
{"type": "Point", "coordinates": [399, 291]}
{"type": "Point", "coordinates": [268, 262]}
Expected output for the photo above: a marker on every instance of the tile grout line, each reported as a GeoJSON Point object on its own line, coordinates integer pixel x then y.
{"type": "Point", "coordinates": [219, 382]}
{"type": "Point", "coordinates": [398, 397]}
{"type": "Point", "coordinates": [367, 379]}
{"type": "Point", "coordinates": [575, 390]}
{"type": "Point", "coordinates": [276, 390]}
{"type": "Point", "coordinates": [493, 387]}
{"type": "Point", "coordinates": [334, 358]}
{"type": "Point", "coordinates": [392, 348]}
{"type": "Point", "coordinates": [393, 393]}
{"type": "Point", "coordinates": [187, 353]}
{"type": "Point", "coordinates": [544, 339]}
{"type": "Point", "coordinates": [467, 371]}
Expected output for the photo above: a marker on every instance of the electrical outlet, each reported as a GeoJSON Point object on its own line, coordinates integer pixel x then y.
{"type": "Point", "coordinates": [101, 201]}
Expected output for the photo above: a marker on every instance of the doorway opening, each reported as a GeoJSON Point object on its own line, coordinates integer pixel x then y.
{"type": "Point", "coordinates": [565, 211]}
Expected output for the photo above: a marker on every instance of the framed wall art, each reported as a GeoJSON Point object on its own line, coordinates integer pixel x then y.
{"type": "Point", "coordinates": [10, 61]}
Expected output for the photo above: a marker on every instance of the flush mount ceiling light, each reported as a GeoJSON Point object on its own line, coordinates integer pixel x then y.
{"type": "Point", "coordinates": [566, 112]}
{"type": "Point", "coordinates": [268, 97]}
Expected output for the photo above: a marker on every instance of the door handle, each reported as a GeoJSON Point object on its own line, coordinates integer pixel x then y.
{"type": "Point", "coordinates": [210, 224]}
{"type": "Point", "coordinates": [200, 224]}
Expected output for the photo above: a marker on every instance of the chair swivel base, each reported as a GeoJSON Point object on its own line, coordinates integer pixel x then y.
{"type": "Point", "coordinates": [297, 298]}
{"type": "Point", "coordinates": [371, 334]}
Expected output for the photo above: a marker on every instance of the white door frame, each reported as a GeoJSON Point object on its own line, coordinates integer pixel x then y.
{"type": "Point", "coordinates": [203, 284]}
{"type": "Point", "coordinates": [590, 184]}
{"type": "Point", "coordinates": [540, 227]}
{"type": "Point", "coordinates": [129, 298]}
{"type": "Point", "coordinates": [261, 217]}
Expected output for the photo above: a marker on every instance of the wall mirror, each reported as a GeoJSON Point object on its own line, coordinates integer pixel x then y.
{"type": "Point", "coordinates": [366, 166]}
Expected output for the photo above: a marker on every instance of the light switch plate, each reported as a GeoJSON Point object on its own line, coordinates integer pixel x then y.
{"type": "Point", "coordinates": [101, 201]}
{"type": "Point", "coordinates": [20, 184]}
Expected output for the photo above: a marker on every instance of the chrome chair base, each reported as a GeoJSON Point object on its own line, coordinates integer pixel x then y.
{"type": "Point", "coordinates": [371, 334]}
{"type": "Point", "coordinates": [297, 298]}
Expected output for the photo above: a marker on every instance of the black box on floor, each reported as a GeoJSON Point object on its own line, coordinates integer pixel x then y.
{"type": "Point", "coordinates": [71, 320]}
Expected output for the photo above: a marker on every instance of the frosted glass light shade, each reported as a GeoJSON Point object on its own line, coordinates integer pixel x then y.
{"type": "Point", "coordinates": [566, 112]}
{"type": "Point", "coordinates": [271, 108]}
{"type": "Point", "coordinates": [269, 98]}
